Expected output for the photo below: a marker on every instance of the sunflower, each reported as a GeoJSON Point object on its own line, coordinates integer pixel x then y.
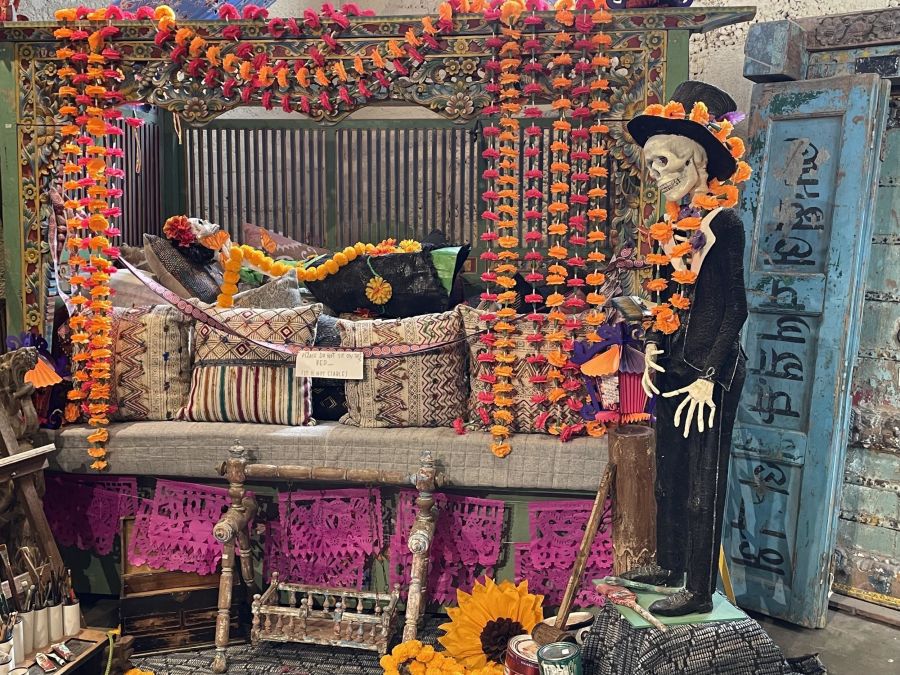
{"type": "Point", "coordinates": [484, 622]}
{"type": "Point", "coordinates": [378, 291]}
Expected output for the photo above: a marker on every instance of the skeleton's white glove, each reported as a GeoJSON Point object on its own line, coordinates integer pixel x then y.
{"type": "Point", "coordinates": [698, 396]}
{"type": "Point", "coordinates": [651, 351]}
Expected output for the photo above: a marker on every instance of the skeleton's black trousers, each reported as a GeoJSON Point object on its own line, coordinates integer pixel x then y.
{"type": "Point", "coordinates": [691, 478]}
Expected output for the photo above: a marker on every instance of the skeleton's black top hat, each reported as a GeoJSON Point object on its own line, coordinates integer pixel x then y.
{"type": "Point", "coordinates": [720, 163]}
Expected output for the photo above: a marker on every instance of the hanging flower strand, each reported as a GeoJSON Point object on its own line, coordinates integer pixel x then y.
{"type": "Point", "coordinates": [490, 236]}
{"type": "Point", "coordinates": [559, 207]}
{"type": "Point", "coordinates": [534, 200]}
{"type": "Point", "coordinates": [89, 106]}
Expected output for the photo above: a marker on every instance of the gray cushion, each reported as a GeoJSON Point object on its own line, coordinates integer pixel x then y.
{"type": "Point", "coordinates": [196, 449]}
{"type": "Point", "coordinates": [180, 275]}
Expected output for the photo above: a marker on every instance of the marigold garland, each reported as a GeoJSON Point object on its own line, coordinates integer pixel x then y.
{"type": "Point", "coordinates": [89, 107]}
{"type": "Point", "coordinates": [683, 221]}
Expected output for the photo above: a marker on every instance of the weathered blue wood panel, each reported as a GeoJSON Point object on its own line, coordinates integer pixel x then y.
{"type": "Point", "coordinates": [814, 146]}
{"type": "Point", "coordinates": [867, 559]}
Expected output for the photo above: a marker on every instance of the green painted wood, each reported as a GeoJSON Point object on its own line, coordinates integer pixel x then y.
{"type": "Point", "coordinates": [677, 59]}
{"type": "Point", "coordinates": [9, 191]}
{"type": "Point", "coordinates": [174, 187]}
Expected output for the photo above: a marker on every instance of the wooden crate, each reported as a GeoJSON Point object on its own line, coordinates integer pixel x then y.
{"type": "Point", "coordinates": [166, 610]}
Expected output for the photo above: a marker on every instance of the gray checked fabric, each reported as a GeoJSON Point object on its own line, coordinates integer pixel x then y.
{"type": "Point", "coordinates": [615, 647]}
{"type": "Point", "coordinates": [195, 449]}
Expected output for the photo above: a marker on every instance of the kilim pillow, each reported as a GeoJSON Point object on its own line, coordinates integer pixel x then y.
{"type": "Point", "coordinates": [237, 381]}
{"type": "Point", "coordinates": [525, 412]}
{"type": "Point", "coordinates": [425, 389]}
{"type": "Point", "coordinates": [151, 364]}
{"type": "Point", "coordinates": [285, 247]}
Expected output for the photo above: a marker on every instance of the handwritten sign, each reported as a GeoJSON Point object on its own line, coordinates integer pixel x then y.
{"type": "Point", "coordinates": [334, 365]}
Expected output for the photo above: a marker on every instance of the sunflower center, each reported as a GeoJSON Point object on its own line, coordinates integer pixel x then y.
{"type": "Point", "coordinates": [496, 634]}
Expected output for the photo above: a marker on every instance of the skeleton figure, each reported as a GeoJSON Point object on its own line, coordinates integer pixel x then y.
{"type": "Point", "coordinates": [697, 371]}
{"type": "Point", "coordinates": [202, 228]}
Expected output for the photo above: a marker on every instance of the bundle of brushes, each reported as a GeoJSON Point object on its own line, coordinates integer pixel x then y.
{"type": "Point", "coordinates": [8, 618]}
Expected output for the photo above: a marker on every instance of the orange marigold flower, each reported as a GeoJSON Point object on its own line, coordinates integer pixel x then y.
{"type": "Point", "coordinates": [556, 394]}
{"type": "Point", "coordinates": [742, 173]}
{"type": "Point", "coordinates": [96, 452]}
{"type": "Point", "coordinates": [595, 318]}
{"type": "Point", "coordinates": [689, 223]}
{"type": "Point", "coordinates": [561, 104]}
{"type": "Point", "coordinates": [595, 278]}
{"type": "Point", "coordinates": [99, 436]}
{"type": "Point", "coordinates": [674, 110]}
{"type": "Point", "coordinates": [558, 269]}
{"type": "Point", "coordinates": [654, 109]}
{"type": "Point", "coordinates": [595, 236]}
{"type": "Point", "coordinates": [556, 336]}
{"type": "Point", "coordinates": [679, 301]}
{"type": "Point", "coordinates": [706, 201]}
{"type": "Point", "coordinates": [684, 277]}
{"type": "Point", "coordinates": [557, 207]}
{"type": "Point", "coordinates": [681, 249]}
{"type": "Point", "coordinates": [657, 285]}
{"type": "Point", "coordinates": [661, 231]}
{"type": "Point", "coordinates": [596, 257]}
{"type": "Point", "coordinates": [99, 465]}
{"type": "Point", "coordinates": [657, 259]}
{"type": "Point", "coordinates": [700, 113]}
{"type": "Point", "coordinates": [596, 299]}
{"type": "Point", "coordinates": [558, 229]}
{"type": "Point", "coordinates": [508, 242]}
{"type": "Point", "coordinates": [503, 416]}
{"type": "Point", "coordinates": [736, 147]}
{"type": "Point", "coordinates": [667, 321]}
{"type": "Point", "coordinates": [506, 282]}
{"type": "Point", "coordinates": [508, 297]}
{"type": "Point", "coordinates": [558, 252]}
{"type": "Point", "coordinates": [555, 279]}
{"type": "Point", "coordinates": [559, 187]}
{"type": "Point", "coordinates": [555, 300]}
{"type": "Point", "coordinates": [500, 449]}
{"type": "Point", "coordinates": [725, 129]}
{"type": "Point", "coordinates": [557, 358]}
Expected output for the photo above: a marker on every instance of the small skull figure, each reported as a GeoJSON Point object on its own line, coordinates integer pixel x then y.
{"type": "Point", "coordinates": [676, 164]}
{"type": "Point", "coordinates": [203, 228]}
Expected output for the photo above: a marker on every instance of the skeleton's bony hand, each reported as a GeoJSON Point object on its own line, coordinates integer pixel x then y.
{"type": "Point", "coordinates": [650, 354]}
{"type": "Point", "coordinates": [698, 396]}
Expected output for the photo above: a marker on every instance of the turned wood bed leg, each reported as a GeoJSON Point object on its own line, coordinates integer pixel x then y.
{"type": "Point", "coordinates": [231, 527]}
{"type": "Point", "coordinates": [420, 538]}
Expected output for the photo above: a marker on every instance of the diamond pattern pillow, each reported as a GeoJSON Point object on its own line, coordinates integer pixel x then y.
{"type": "Point", "coordinates": [525, 412]}
{"type": "Point", "coordinates": [151, 364]}
{"type": "Point", "coordinates": [237, 381]}
{"type": "Point", "coordinates": [426, 389]}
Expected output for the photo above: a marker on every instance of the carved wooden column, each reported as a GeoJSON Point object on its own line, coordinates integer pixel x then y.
{"type": "Point", "coordinates": [632, 450]}
{"type": "Point", "coordinates": [18, 424]}
{"type": "Point", "coordinates": [232, 526]}
{"type": "Point", "coordinates": [419, 543]}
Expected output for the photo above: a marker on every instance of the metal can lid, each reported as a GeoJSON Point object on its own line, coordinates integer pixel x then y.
{"type": "Point", "coordinates": [558, 651]}
{"type": "Point", "coordinates": [524, 647]}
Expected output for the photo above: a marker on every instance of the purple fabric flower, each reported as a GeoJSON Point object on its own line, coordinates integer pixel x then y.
{"type": "Point", "coordinates": [733, 117]}
{"type": "Point", "coordinates": [698, 240]}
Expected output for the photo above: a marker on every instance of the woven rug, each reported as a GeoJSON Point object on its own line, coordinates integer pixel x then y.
{"type": "Point", "coordinates": [283, 659]}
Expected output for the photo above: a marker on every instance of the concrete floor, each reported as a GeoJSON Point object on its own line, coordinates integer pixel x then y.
{"type": "Point", "coordinates": [848, 645]}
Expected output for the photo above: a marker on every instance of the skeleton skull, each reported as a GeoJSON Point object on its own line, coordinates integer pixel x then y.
{"type": "Point", "coordinates": [202, 228]}
{"type": "Point", "coordinates": [677, 165]}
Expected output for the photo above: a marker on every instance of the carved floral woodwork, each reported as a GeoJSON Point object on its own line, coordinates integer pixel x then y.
{"type": "Point", "coordinates": [450, 82]}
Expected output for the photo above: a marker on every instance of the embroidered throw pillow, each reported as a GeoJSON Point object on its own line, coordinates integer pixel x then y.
{"type": "Point", "coordinates": [525, 412]}
{"type": "Point", "coordinates": [285, 247]}
{"type": "Point", "coordinates": [151, 364]}
{"type": "Point", "coordinates": [237, 381]}
{"type": "Point", "coordinates": [426, 389]}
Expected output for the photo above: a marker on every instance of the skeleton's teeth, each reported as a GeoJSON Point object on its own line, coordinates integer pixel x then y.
{"type": "Point", "coordinates": [674, 183]}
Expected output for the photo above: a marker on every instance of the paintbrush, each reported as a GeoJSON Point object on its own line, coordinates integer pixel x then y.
{"type": "Point", "coordinates": [10, 578]}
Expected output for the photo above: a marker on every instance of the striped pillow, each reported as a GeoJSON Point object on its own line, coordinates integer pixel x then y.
{"type": "Point", "coordinates": [236, 381]}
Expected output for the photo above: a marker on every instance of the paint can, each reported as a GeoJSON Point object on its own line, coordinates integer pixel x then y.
{"type": "Point", "coordinates": [560, 658]}
{"type": "Point", "coordinates": [521, 656]}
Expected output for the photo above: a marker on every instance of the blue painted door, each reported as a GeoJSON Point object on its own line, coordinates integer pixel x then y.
{"type": "Point", "coordinates": [814, 146]}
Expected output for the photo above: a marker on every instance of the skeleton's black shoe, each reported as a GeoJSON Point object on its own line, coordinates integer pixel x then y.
{"type": "Point", "coordinates": [683, 602]}
{"type": "Point", "coordinates": [654, 575]}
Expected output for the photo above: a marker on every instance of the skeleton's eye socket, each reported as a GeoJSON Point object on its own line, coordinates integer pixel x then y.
{"type": "Point", "coordinates": [662, 160]}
